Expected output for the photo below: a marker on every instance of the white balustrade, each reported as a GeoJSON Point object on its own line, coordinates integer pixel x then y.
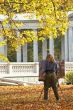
{"type": "Point", "coordinates": [68, 67]}
{"type": "Point", "coordinates": [25, 72]}
{"type": "Point", "coordinates": [3, 68]}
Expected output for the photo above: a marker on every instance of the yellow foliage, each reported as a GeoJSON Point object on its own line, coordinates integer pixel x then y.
{"type": "Point", "coordinates": [1, 1]}
{"type": "Point", "coordinates": [2, 43]}
{"type": "Point", "coordinates": [3, 58]}
{"type": "Point", "coordinates": [41, 38]}
{"type": "Point", "coordinates": [52, 14]}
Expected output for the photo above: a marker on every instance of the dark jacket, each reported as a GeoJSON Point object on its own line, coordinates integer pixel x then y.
{"type": "Point", "coordinates": [44, 66]}
{"type": "Point", "coordinates": [50, 67]}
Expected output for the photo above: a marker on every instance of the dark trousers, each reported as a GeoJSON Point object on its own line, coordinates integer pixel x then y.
{"type": "Point", "coordinates": [50, 81]}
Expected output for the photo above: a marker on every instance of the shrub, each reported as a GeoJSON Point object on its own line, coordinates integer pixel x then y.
{"type": "Point", "coordinates": [69, 78]}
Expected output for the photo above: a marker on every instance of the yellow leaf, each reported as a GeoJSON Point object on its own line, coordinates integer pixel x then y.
{"type": "Point", "coordinates": [3, 58]}
{"type": "Point", "coordinates": [1, 1]}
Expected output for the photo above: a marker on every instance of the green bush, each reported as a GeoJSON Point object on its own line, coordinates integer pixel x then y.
{"type": "Point", "coordinates": [69, 78]}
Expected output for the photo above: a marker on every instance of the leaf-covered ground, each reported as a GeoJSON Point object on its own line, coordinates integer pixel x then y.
{"type": "Point", "coordinates": [31, 98]}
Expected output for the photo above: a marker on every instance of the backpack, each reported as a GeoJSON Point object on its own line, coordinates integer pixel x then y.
{"type": "Point", "coordinates": [42, 67]}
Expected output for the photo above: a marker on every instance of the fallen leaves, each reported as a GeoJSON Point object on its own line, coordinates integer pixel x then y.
{"type": "Point", "coordinates": [30, 98]}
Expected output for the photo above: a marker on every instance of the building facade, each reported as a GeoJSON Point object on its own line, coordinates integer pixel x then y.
{"type": "Point", "coordinates": [33, 24]}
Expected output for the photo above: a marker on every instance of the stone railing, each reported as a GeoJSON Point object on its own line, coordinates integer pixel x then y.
{"type": "Point", "coordinates": [27, 72]}
{"type": "Point", "coordinates": [65, 67]}
{"type": "Point", "coordinates": [24, 72]}
{"type": "Point", "coordinates": [68, 67]}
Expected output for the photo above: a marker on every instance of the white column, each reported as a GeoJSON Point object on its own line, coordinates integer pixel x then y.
{"type": "Point", "coordinates": [63, 48]}
{"type": "Point", "coordinates": [51, 46]}
{"type": "Point", "coordinates": [3, 49]}
{"type": "Point", "coordinates": [66, 47]}
{"type": "Point", "coordinates": [18, 50]}
{"type": "Point", "coordinates": [70, 40]}
{"type": "Point", "coordinates": [25, 53]}
{"type": "Point", "coordinates": [44, 49]}
{"type": "Point", "coordinates": [35, 49]}
{"type": "Point", "coordinates": [19, 54]}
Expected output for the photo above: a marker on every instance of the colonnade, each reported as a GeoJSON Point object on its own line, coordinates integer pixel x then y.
{"type": "Point", "coordinates": [3, 49]}
{"type": "Point", "coordinates": [35, 50]}
{"type": "Point", "coordinates": [66, 43]}
{"type": "Point", "coordinates": [66, 48]}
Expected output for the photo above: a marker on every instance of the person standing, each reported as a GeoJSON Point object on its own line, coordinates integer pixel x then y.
{"type": "Point", "coordinates": [50, 77]}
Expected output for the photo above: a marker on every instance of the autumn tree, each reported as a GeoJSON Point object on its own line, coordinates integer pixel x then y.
{"type": "Point", "coordinates": [51, 14]}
